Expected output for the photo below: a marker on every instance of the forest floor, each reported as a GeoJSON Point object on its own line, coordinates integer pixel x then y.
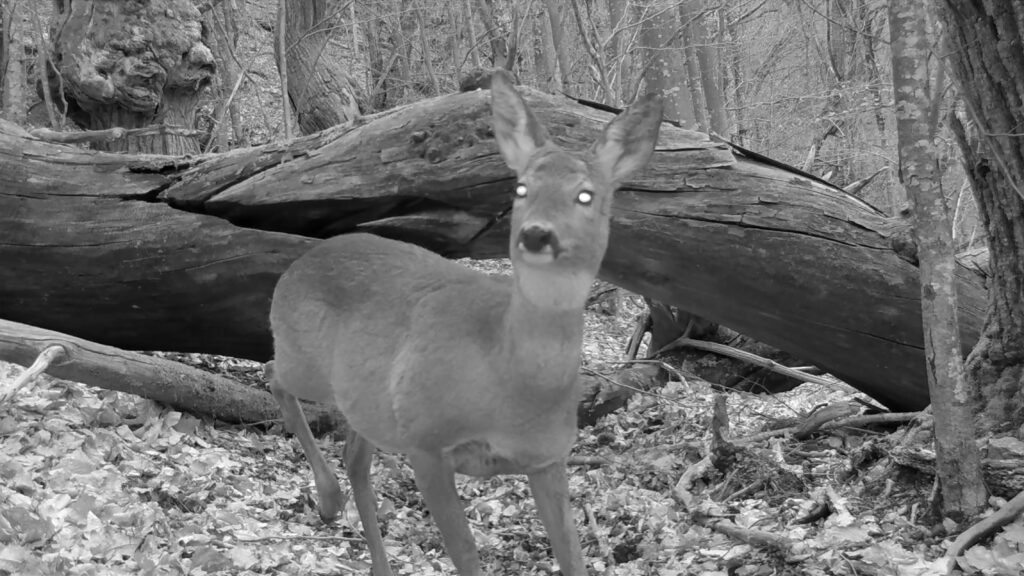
{"type": "Point", "coordinates": [100, 482]}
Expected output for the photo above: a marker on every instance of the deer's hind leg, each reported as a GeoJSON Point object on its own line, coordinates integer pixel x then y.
{"type": "Point", "coordinates": [332, 499]}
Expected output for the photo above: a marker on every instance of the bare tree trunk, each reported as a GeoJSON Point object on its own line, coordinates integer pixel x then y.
{"type": "Point", "coordinates": [44, 68]}
{"type": "Point", "coordinates": [835, 37]}
{"type": "Point", "coordinates": [281, 51]}
{"type": "Point", "coordinates": [321, 92]}
{"type": "Point", "coordinates": [560, 43]}
{"type": "Point", "coordinates": [958, 460]}
{"type": "Point", "coordinates": [222, 22]}
{"type": "Point", "coordinates": [5, 48]}
{"type": "Point", "coordinates": [15, 99]}
{"type": "Point", "coordinates": [378, 67]}
{"type": "Point", "coordinates": [467, 15]}
{"type": "Point", "coordinates": [405, 27]}
{"type": "Point", "coordinates": [707, 56]}
{"type": "Point", "coordinates": [663, 72]}
{"type": "Point", "coordinates": [545, 66]}
{"type": "Point", "coordinates": [873, 74]}
{"type": "Point", "coordinates": [736, 81]}
{"type": "Point", "coordinates": [688, 15]}
{"type": "Point", "coordinates": [428, 66]}
{"type": "Point", "coordinates": [354, 22]}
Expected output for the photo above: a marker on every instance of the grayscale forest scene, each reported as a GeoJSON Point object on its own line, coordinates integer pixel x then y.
{"type": "Point", "coordinates": [512, 287]}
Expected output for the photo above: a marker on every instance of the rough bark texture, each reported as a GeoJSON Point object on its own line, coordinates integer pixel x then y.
{"type": "Point", "coordinates": [146, 252]}
{"type": "Point", "coordinates": [89, 253]}
{"type": "Point", "coordinates": [222, 22]}
{"type": "Point", "coordinates": [986, 58]}
{"type": "Point", "coordinates": [12, 79]}
{"type": "Point", "coordinates": [321, 92]}
{"type": "Point", "coordinates": [133, 64]}
{"type": "Point", "coordinates": [958, 459]}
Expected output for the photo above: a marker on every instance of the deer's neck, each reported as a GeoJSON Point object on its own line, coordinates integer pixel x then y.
{"type": "Point", "coordinates": [544, 332]}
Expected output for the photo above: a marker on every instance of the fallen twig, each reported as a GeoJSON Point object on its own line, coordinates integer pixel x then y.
{"type": "Point", "coordinates": [41, 364]}
{"type": "Point", "coordinates": [681, 491]}
{"type": "Point", "coordinates": [823, 416]}
{"type": "Point", "coordinates": [759, 538]}
{"type": "Point", "coordinates": [754, 359]}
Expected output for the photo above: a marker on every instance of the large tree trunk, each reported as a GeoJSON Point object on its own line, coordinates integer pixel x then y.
{"type": "Point", "coordinates": [985, 39]}
{"type": "Point", "coordinates": [145, 252]}
{"type": "Point", "coordinates": [131, 65]}
{"type": "Point", "coordinates": [321, 92]}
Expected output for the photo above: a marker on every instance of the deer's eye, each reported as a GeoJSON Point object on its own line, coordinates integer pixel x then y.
{"type": "Point", "coordinates": [520, 190]}
{"type": "Point", "coordinates": [585, 197]}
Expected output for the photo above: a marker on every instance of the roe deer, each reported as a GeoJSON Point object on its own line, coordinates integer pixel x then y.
{"type": "Point", "coordinates": [460, 371]}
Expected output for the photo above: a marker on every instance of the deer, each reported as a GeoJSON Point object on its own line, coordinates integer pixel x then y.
{"type": "Point", "coordinates": [458, 370]}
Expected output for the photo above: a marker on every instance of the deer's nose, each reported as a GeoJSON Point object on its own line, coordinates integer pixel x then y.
{"type": "Point", "coordinates": [537, 239]}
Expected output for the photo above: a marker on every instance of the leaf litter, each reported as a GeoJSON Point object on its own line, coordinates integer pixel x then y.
{"type": "Point", "coordinates": [96, 482]}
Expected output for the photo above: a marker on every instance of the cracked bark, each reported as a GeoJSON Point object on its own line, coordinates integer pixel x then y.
{"type": "Point", "coordinates": [985, 57]}
{"type": "Point", "coordinates": [171, 253]}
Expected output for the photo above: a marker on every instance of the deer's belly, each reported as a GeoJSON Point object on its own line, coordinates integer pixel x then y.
{"type": "Point", "coordinates": [497, 455]}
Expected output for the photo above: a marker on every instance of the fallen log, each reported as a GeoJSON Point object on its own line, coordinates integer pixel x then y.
{"type": "Point", "coordinates": [182, 253]}
{"type": "Point", "coordinates": [203, 393]}
{"type": "Point", "coordinates": [172, 383]}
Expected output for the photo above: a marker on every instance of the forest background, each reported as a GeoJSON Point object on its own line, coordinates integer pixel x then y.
{"type": "Point", "coordinates": [805, 82]}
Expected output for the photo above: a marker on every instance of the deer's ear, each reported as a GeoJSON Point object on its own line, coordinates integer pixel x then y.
{"type": "Point", "coordinates": [516, 129]}
{"type": "Point", "coordinates": [628, 141]}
